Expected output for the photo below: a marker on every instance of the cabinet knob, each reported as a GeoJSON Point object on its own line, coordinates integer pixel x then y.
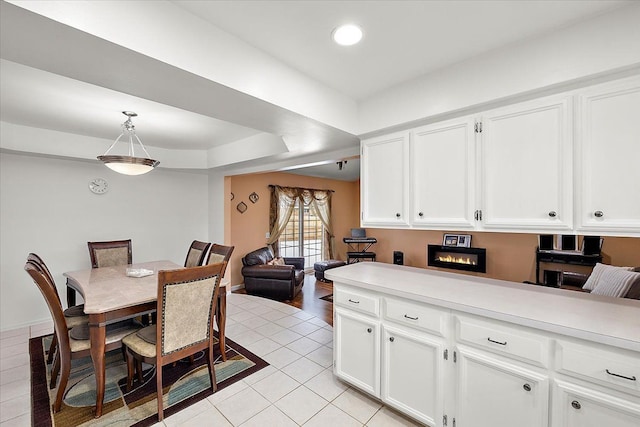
{"type": "Point", "coordinates": [553, 214]}
{"type": "Point", "coordinates": [420, 214]}
{"type": "Point", "coordinates": [576, 404]}
{"type": "Point", "coordinates": [369, 330]}
{"type": "Point", "coordinates": [598, 214]}
{"type": "Point", "coordinates": [391, 339]}
{"type": "Point", "coordinates": [527, 387]}
{"type": "Point", "coordinates": [397, 215]}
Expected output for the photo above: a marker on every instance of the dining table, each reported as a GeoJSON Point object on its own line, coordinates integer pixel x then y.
{"type": "Point", "coordinates": [111, 295]}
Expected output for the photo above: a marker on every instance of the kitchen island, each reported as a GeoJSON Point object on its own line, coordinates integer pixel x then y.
{"type": "Point", "coordinates": [448, 348]}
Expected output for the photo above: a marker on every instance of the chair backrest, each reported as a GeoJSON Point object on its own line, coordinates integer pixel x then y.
{"type": "Point", "coordinates": [108, 254]}
{"type": "Point", "coordinates": [197, 252]}
{"type": "Point", "coordinates": [187, 301]}
{"type": "Point", "coordinates": [220, 253]}
{"type": "Point", "coordinates": [50, 294]}
{"type": "Point", "coordinates": [35, 258]}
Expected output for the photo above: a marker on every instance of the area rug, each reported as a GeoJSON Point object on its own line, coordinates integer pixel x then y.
{"type": "Point", "coordinates": [328, 298]}
{"type": "Point", "coordinates": [183, 384]}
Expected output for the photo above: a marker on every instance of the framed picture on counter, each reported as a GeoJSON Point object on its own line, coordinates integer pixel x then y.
{"type": "Point", "coordinates": [450, 240]}
{"type": "Point", "coordinates": [464, 240]}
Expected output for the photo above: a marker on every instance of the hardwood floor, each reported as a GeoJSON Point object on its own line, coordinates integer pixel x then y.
{"type": "Point", "coordinates": [309, 298]}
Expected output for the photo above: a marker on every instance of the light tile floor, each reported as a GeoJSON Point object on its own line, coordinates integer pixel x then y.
{"type": "Point", "coordinates": [297, 389]}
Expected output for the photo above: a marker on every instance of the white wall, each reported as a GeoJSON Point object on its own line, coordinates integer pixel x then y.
{"type": "Point", "coordinates": [47, 208]}
{"type": "Point", "coordinates": [606, 43]}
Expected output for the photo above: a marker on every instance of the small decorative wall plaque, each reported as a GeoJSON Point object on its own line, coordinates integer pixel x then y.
{"type": "Point", "coordinates": [253, 197]}
{"type": "Point", "coordinates": [242, 207]}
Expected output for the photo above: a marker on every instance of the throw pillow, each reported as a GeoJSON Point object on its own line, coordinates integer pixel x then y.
{"type": "Point", "coordinates": [616, 283]}
{"type": "Point", "coordinates": [276, 261]}
{"type": "Point", "coordinates": [594, 278]}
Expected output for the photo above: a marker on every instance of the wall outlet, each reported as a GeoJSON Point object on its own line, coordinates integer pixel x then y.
{"type": "Point", "coordinates": [267, 235]}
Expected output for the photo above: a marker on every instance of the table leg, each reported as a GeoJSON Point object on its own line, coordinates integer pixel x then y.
{"type": "Point", "coordinates": [221, 319]}
{"type": "Point", "coordinates": [97, 335]}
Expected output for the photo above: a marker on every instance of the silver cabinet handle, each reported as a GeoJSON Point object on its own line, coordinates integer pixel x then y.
{"type": "Point", "coordinates": [553, 214]}
{"type": "Point", "coordinates": [410, 318]}
{"type": "Point", "coordinates": [598, 214]}
{"type": "Point", "coordinates": [576, 404]}
{"type": "Point", "coordinates": [632, 378]}
{"type": "Point", "coordinates": [355, 302]}
{"type": "Point", "coordinates": [527, 387]}
{"type": "Point", "coordinates": [496, 342]}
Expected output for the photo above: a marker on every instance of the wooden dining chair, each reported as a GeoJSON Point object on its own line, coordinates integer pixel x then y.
{"type": "Point", "coordinates": [74, 315]}
{"type": "Point", "coordinates": [197, 252]}
{"type": "Point", "coordinates": [186, 305]}
{"type": "Point", "coordinates": [220, 253]}
{"type": "Point", "coordinates": [68, 347]}
{"type": "Point", "coordinates": [108, 254]}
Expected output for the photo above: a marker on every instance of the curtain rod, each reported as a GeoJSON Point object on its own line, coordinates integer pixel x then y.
{"type": "Point", "coordinates": [301, 188]}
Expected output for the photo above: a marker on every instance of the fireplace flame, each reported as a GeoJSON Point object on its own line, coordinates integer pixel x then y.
{"type": "Point", "coordinates": [458, 260]}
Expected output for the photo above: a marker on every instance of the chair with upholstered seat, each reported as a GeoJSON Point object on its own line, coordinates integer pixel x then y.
{"type": "Point", "coordinates": [221, 253]}
{"type": "Point", "coordinates": [74, 315]}
{"type": "Point", "coordinates": [197, 252]}
{"type": "Point", "coordinates": [108, 254]}
{"type": "Point", "coordinates": [186, 305]}
{"type": "Point", "coordinates": [68, 347]}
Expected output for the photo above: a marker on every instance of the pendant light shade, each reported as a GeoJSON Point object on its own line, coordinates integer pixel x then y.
{"type": "Point", "coordinates": [129, 165]}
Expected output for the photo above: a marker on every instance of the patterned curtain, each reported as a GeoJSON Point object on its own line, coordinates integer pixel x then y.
{"type": "Point", "coordinates": [283, 200]}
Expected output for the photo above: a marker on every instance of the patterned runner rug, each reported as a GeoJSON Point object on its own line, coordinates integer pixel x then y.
{"type": "Point", "coordinates": [183, 384]}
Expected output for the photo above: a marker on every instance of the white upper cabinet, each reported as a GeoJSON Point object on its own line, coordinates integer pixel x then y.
{"type": "Point", "coordinates": [608, 149]}
{"type": "Point", "coordinates": [384, 180]}
{"type": "Point", "coordinates": [526, 166]}
{"type": "Point", "coordinates": [443, 175]}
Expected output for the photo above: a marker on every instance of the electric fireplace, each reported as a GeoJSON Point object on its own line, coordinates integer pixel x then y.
{"type": "Point", "coordinates": [457, 258]}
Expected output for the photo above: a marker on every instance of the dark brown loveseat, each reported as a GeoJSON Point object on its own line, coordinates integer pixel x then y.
{"type": "Point", "coordinates": [279, 282]}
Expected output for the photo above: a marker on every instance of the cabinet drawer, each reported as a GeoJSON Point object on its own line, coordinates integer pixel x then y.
{"type": "Point", "coordinates": [357, 301]}
{"type": "Point", "coordinates": [620, 370]}
{"type": "Point", "coordinates": [420, 316]}
{"type": "Point", "coordinates": [503, 338]}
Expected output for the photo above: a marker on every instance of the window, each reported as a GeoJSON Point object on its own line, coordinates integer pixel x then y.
{"type": "Point", "coordinates": [302, 236]}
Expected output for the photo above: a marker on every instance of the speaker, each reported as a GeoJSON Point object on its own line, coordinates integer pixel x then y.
{"type": "Point", "coordinates": [552, 278]}
{"type": "Point", "coordinates": [568, 242]}
{"type": "Point", "coordinates": [545, 242]}
{"type": "Point", "coordinates": [398, 257]}
{"type": "Point", "coordinates": [591, 245]}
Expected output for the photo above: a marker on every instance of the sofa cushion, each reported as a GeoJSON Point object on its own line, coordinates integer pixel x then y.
{"type": "Point", "coordinates": [616, 282]}
{"type": "Point", "coordinates": [598, 270]}
{"type": "Point", "coordinates": [258, 257]}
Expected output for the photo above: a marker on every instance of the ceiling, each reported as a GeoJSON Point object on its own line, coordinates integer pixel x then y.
{"type": "Point", "coordinates": [403, 40]}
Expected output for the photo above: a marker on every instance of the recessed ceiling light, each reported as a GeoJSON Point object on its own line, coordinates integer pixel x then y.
{"type": "Point", "coordinates": [347, 35]}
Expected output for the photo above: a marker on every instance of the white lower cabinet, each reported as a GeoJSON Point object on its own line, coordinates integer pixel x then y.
{"type": "Point", "coordinates": [412, 373]}
{"type": "Point", "coordinates": [577, 406]}
{"type": "Point", "coordinates": [446, 368]}
{"type": "Point", "coordinates": [357, 350]}
{"type": "Point", "coordinates": [495, 393]}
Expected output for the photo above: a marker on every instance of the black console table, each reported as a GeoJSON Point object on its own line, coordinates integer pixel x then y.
{"type": "Point", "coordinates": [359, 249]}
{"type": "Point", "coordinates": [564, 257]}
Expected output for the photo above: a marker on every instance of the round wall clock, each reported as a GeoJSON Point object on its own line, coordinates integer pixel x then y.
{"type": "Point", "coordinates": [98, 185]}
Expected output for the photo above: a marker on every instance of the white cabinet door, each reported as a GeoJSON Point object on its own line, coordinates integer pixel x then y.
{"type": "Point", "coordinates": [357, 350]}
{"type": "Point", "coordinates": [384, 180]}
{"type": "Point", "coordinates": [412, 374]}
{"type": "Point", "coordinates": [526, 167]}
{"type": "Point", "coordinates": [443, 160]}
{"type": "Point", "coordinates": [608, 150]}
{"type": "Point", "coordinates": [494, 393]}
{"type": "Point", "coordinates": [576, 406]}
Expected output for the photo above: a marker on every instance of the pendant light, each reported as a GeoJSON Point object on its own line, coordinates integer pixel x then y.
{"type": "Point", "coordinates": [129, 165]}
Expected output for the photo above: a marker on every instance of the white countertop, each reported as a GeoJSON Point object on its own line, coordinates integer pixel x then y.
{"type": "Point", "coordinates": [606, 320]}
